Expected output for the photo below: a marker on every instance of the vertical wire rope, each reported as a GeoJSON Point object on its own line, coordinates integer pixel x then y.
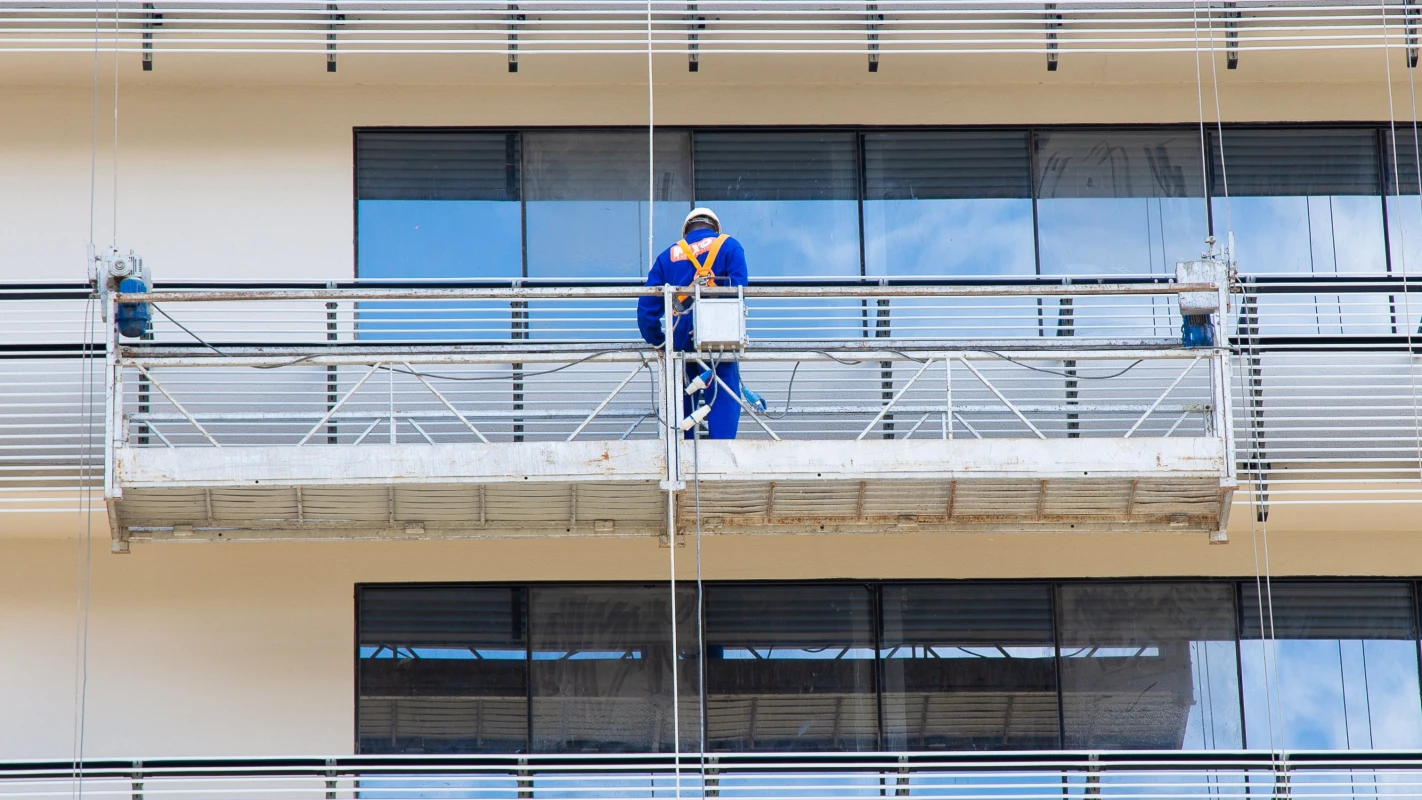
{"type": "Point", "coordinates": [83, 567]}
{"type": "Point", "coordinates": [114, 238]}
{"type": "Point", "coordinates": [671, 430]}
{"type": "Point", "coordinates": [1401, 231]}
{"type": "Point", "coordinates": [700, 621]}
{"type": "Point", "coordinates": [1258, 527]}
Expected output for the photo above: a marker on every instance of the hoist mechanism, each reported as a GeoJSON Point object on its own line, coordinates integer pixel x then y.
{"type": "Point", "coordinates": [112, 271]}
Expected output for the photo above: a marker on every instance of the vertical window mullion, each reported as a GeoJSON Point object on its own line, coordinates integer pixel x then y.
{"type": "Point", "coordinates": [1057, 648]}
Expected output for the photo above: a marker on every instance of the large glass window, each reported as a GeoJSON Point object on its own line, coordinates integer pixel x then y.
{"type": "Point", "coordinates": [790, 668]}
{"type": "Point", "coordinates": [587, 194]}
{"type": "Point", "coordinates": [1301, 201]}
{"type": "Point", "coordinates": [1403, 200]}
{"type": "Point", "coordinates": [438, 204]}
{"type": "Point", "coordinates": [806, 666]}
{"type": "Point", "coordinates": [602, 668]}
{"type": "Point", "coordinates": [948, 203]}
{"type": "Point", "coordinates": [790, 197]}
{"type": "Point", "coordinates": [969, 667]}
{"type": "Point", "coordinates": [1119, 201]}
{"type": "Point", "coordinates": [1149, 666]}
{"type": "Point", "coordinates": [1339, 671]}
{"type": "Point", "coordinates": [442, 670]}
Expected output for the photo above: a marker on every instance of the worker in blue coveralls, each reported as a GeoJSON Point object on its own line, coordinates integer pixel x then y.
{"type": "Point", "coordinates": [704, 254]}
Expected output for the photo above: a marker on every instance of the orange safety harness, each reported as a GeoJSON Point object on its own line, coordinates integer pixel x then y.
{"type": "Point", "coordinates": [704, 275]}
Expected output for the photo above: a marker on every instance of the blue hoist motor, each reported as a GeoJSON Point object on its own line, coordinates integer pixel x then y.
{"type": "Point", "coordinates": [125, 274]}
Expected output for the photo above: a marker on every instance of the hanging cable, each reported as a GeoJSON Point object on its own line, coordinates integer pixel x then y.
{"type": "Point", "coordinates": [84, 562]}
{"type": "Point", "coordinates": [1407, 319]}
{"type": "Point", "coordinates": [670, 431]}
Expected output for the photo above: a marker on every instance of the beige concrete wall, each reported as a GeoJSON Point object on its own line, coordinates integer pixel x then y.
{"type": "Point", "coordinates": [241, 167]}
{"type": "Point", "coordinates": [247, 649]}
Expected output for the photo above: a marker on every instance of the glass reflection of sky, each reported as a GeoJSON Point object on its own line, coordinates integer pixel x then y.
{"type": "Point", "coordinates": [1333, 694]}
{"type": "Point", "coordinates": [405, 239]}
{"type": "Point", "coordinates": [1305, 235]}
{"type": "Point", "coordinates": [948, 237]}
{"type": "Point", "coordinates": [1119, 235]}
{"type": "Point", "coordinates": [459, 653]}
{"type": "Point", "coordinates": [596, 238]}
{"type": "Point", "coordinates": [948, 651]}
{"type": "Point", "coordinates": [816, 653]}
{"type": "Point", "coordinates": [1404, 220]}
{"type": "Point", "coordinates": [794, 238]}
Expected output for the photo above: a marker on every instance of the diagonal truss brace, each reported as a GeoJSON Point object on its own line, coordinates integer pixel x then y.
{"type": "Point", "coordinates": [1163, 395]}
{"type": "Point", "coordinates": [177, 405]}
{"type": "Point", "coordinates": [1000, 396]}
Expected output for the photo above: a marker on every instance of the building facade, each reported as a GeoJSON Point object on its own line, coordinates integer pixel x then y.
{"type": "Point", "coordinates": [396, 365]}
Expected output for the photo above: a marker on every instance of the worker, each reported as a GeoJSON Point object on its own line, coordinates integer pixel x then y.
{"type": "Point", "coordinates": [706, 256]}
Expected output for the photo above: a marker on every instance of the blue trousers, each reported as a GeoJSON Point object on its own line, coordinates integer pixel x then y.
{"type": "Point", "coordinates": [725, 417]}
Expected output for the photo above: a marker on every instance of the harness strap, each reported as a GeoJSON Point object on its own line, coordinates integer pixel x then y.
{"type": "Point", "coordinates": [704, 274]}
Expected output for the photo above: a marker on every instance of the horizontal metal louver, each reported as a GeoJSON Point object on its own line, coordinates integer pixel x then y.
{"type": "Point", "coordinates": [1405, 170]}
{"type": "Point", "coordinates": [1117, 164]}
{"type": "Point", "coordinates": [1327, 610]}
{"type": "Point", "coordinates": [789, 616]}
{"type": "Point", "coordinates": [944, 165]}
{"type": "Point", "coordinates": [437, 165]}
{"type": "Point", "coordinates": [919, 614]}
{"type": "Point", "coordinates": [775, 165]}
{"type": "Point", "coordinates": [1286, 163]}
{"type": "Point", "coordinates": [441, 616]}
{"type": "Point", "coordinates": [605, 165]}
{"type": "Point", "coordinates": [1145, 614]}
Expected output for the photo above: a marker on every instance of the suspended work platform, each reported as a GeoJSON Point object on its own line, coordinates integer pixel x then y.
{"type": "Point", "coordinates": [513, 411]}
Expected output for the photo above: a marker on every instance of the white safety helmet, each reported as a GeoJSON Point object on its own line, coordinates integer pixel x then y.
{"type": "Point", "coordinates": [701, 214]}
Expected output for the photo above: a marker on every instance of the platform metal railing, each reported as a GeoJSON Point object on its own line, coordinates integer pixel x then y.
{"type": "Point", "coordinates": [959, 776]}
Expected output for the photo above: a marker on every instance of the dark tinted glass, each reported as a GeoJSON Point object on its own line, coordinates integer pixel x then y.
{"type": "Point", "coordinates": [442, 670]}
{"type": "Point", "coordinates": [1339, 672]}
{"type": "Point", "coordinates": [437, 165]}
{"type": "Point", "coordinates": [587, 195]}
{"type": "Point", "coordinates": [1302, 200]}
{"type": "Point", "coordinates": [790, 668]}
{"type": "Point", "coordinates": [1404, 207]}
{"type": "Point", "coordinates": [969, 668]}
{"type": "Point", "coordinates": [946, 165]}
{"type": "Point", "coordinates": [602, 668]}
{"type": "Point", "coordinates": [948, 203]}
{"type": "Point", "coordinates": [1149, 666]}
{"type": "Point", "coordinates": [1142, 191]}
{"type": "Point", "coordinates": [791, 198]}
{"type": "Point", "coordinates": [438, 204]}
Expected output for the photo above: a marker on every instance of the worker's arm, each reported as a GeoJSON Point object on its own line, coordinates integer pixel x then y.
{"type": "Point", "coordinates": [734, 259]}
{"type": "Point", "coordinates": [650, 309]}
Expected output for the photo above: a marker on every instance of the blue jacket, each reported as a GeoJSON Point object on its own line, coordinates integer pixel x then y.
{"type": "Point", "coordinates": [674, 268]}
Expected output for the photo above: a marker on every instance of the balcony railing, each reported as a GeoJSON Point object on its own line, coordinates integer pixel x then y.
{"type": "Point", "coordinates": [1323, 382]}
{"type": "Point", "coordinates": [955, 776]}
{"type": "Point", "coordinates": [905, 27]}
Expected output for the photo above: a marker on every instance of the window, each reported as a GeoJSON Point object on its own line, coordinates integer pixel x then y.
{"type": "Point", "coordinates": [957, 665]}
{"type": "Point", "coordinates": [1149, 666]}
{"type": "Point", "coordinates": [438, 204]}
{"type": "Point", "coordinates": [1341, 672]}
{"type": "Point", "coordinates": [790, 668]}
{"type": "Point", "coordinates": [1301, 201]}
{"type": "Point", "coordinates": [791, 198]}
{"type": "Point", "coordinates": [587, 200]}
{"type": "Point", "coordinates": [969, 668]}
{"type": "Point", "coordinates": [948, 203]}
{"type": "Point", "coordinates": [602, 668]}
{"type": "Point", "coordinates": [1119, 202]}
{"type": "Point", "coordinates": [1404, 202]}
{"type": "Point", "coordinates": [442, 670]}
